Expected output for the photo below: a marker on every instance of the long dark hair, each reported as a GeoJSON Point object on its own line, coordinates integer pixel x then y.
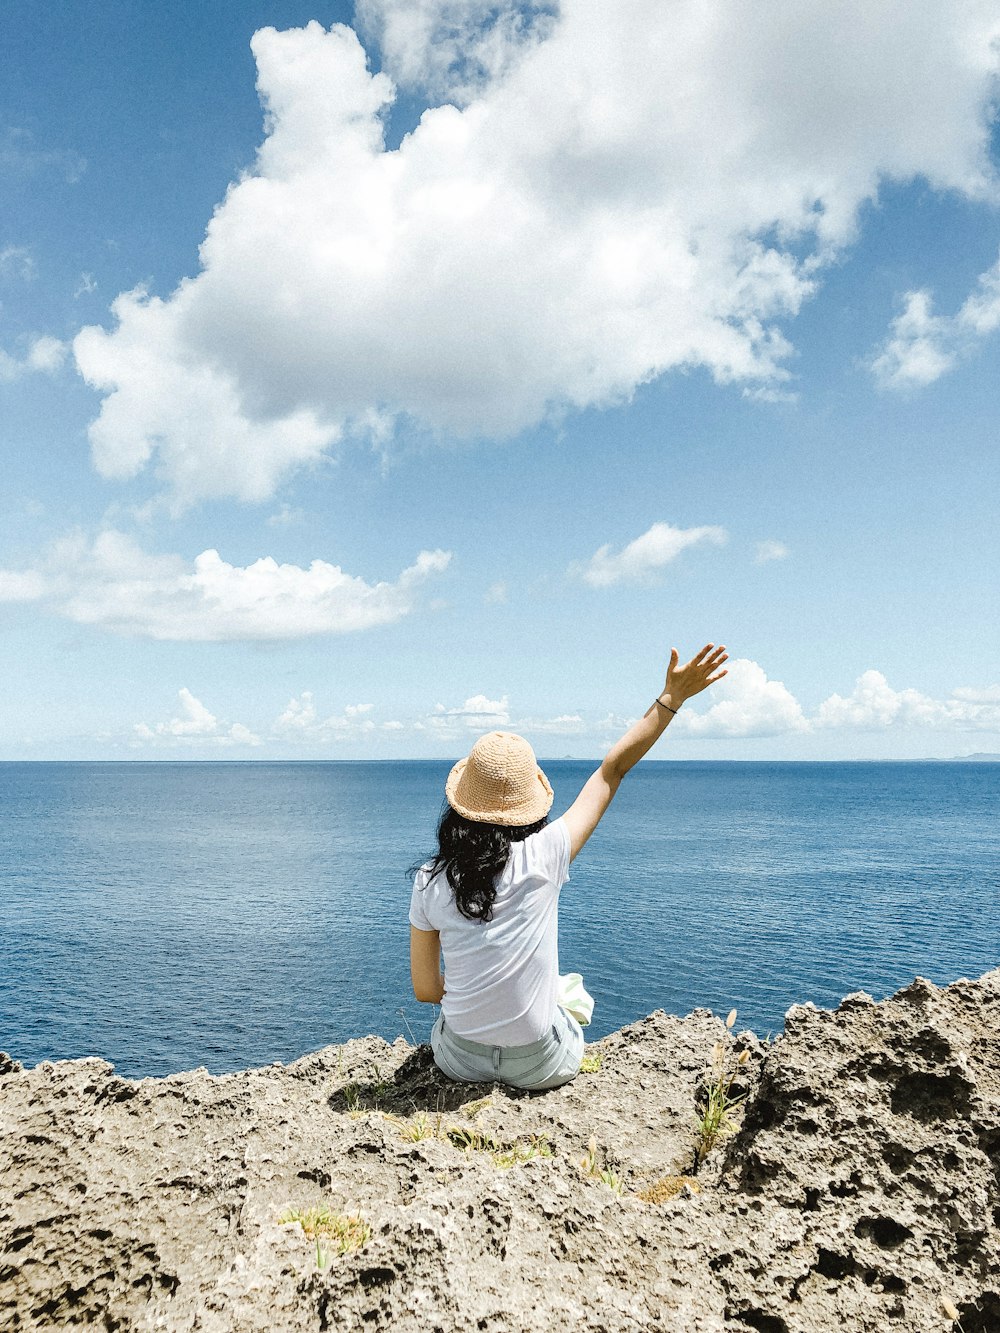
{"type": "Point", "coordinates": [473, 856]}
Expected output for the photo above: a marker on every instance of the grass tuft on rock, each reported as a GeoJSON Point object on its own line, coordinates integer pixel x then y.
{"type": "Point", "coordinates": [717, 1110]}
{"type": "Point", "coordinates": [344, 1232]}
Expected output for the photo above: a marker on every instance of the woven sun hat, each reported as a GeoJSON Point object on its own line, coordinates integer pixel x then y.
{"type": "Point", "coordinates": [500, 782]}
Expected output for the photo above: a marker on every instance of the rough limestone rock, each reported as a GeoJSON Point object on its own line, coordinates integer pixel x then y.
{"type": "Point", "coordinates": [860, 1192]}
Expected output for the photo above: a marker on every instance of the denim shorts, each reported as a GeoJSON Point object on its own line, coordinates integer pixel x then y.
{"type": "Point", "coordinates": [547, 1063]}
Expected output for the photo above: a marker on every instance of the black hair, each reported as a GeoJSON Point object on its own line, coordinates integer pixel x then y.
{"type": "Point", "coordinates": [473, 855]}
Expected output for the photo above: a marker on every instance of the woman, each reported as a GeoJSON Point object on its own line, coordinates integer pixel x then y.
{"type": "Point", "coordinates": [489, 899]}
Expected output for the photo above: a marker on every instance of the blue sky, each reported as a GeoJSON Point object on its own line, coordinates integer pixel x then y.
{"type": "Point", "coordinates": [384, 383]}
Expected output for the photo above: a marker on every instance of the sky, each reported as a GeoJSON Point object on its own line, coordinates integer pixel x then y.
{"type": "Point", "coordinates": [373, 377]}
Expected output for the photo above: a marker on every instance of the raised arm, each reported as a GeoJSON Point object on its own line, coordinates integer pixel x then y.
{"type": "Point", "coordinates": [598, 791]}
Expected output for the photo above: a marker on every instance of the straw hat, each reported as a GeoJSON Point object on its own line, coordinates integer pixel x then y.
{"type": "Point", "coordinates": [500, 782]}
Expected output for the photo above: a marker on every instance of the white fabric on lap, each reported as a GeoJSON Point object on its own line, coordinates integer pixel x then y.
{"type": "Point", "coordinates": [573, 996]}
{"type": "Point", "coordinates": [502, 975]}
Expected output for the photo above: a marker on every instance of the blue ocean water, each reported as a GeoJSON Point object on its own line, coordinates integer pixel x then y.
{"type": "Point", "coordinates": [168, 915]}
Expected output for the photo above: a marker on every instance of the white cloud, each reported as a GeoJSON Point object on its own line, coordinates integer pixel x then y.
{"type": "Point", "coordinates": [111, 582]}
{"type": "Point", "coordinates": [85, 286]}
{"type": "Point", "coordinates": [299, 721]}
{"type": "Point", "coordinates": [770, 550]}
{"type": "Point", "coordinates": [874, 704]}
{"type": "Point", "coordinates": [767, 394]}
{"type": "Point", "coordinates": [631, 189]}
{"type": "Point", "coordinates": [285, 517]}
{"type": "Point", "coordinates": [744, 703]}
{"type": "Point", "coordinates": [966, 694]}
{"type": "Point", "coordinates": [194, 724]}
{"type": "Point", "coordinates": [45, 355]}
{"type": "Point", "coordinates": [643, 557]}
{"type": "Point", "coordinates": [22, 585]}
{"type": "Point", "coordinates": [566, 724]}
{"type": "Point", "coordinates": [923, 346]}
{"type": "Point", "coordinates": [478, 713]}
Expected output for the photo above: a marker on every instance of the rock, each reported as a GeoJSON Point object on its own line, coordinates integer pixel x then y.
{"type": "Point", "coordinates": [861, 1189]}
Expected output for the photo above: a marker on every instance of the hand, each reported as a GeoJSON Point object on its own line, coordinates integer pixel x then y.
{"type": "Point", "coordinates": [703, 670]}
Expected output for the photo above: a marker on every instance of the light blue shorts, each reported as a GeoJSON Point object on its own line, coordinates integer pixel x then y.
{"type": "Point", "coordinates": [547, 1063]}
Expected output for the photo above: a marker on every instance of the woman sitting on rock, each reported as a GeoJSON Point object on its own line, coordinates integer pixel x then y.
{"type": "Point", "coordinates": [489, 900]}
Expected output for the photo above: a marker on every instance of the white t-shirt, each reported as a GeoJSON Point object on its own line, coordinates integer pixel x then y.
{"type": "Point", "coordinates": [501, 975]}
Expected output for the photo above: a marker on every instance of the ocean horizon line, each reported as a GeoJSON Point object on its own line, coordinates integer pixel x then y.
{"type": "Point", "coordinates": [979, 757]}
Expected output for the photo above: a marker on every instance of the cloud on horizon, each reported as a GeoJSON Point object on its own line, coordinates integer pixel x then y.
{"type": "Point", "coordinates": [874, 705]}
{"type": "Point", "coordinates": [744, 705]}
{"type": "Point", "coordinates": [193, 724]}
{"type": "Point", "coordinates": [621, 191]}
{"type": "Point", "coordinates": [113, 584]}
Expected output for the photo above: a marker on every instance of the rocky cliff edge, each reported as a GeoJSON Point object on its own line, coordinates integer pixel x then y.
{"type": "Point", "coordinates": [356, 1188]}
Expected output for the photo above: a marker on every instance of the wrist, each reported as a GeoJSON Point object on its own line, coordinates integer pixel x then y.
{"type": "Point", "coordinates": [668, 703]}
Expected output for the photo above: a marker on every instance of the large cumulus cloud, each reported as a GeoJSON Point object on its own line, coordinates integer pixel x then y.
{"type": "Point", "coordinates": [621, 190]}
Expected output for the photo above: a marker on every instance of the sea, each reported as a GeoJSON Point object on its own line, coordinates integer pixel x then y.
{"type": "Point", "coordinates": [170, 915]}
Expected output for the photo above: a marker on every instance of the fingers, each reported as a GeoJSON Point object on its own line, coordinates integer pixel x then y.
{"type": "Point", "coordinates": [718, 676]}
{"type": "Point", "coordinates": [710, 656]}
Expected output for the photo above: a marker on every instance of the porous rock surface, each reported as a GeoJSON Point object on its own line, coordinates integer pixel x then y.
{"type": "Point", "coordinates": [861, 1190]}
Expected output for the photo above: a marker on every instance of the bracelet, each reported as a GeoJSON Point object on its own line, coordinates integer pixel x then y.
{"type": "Point", "coordinates": [666, 706]}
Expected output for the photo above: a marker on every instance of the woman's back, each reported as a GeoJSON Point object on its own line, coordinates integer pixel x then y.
{"type": "Point", "coordinates": [502, 973]}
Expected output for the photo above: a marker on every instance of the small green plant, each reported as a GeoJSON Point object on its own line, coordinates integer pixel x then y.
{"type": "Point", "coordinates": [419, 1128]}
{"type": "Point", "coordinates": [344, 1231]}
{"type": "Point", "coordinates": [517, 1152]}
{"type": "Point", "coordinates": [591, 1062]}
{"type": "Point", "coordinates": [717, 1113]}
{"type": "Point", "coordinates": [504, 1155]}
{"type": "Point", "coordinates": [379, 1085]}
{"type": "Point", "coordinates": [590, 1166]}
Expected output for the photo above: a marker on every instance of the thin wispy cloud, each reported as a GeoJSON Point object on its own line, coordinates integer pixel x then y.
{"type": "Point", "coordinates": [299, 722]}
{"type": "Point", "coordinates": [497, 594]}
{"type": "Point", "coordinates": [769, 550]}
{"type": "Point", "coordinates": [112, 583]}
{"type": "Point", "coordinates": [478, 713]}
{"type": "Point", "coordinates": [43, 355]}
{"type": "Point", "coordinates": [599, 198]}
{"type": "Point", "coordinates": [644, 557]}
{"type": "Point", "coordinates": [22, 156]}
{"type": "Point", "coordinates": [923, 346]}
